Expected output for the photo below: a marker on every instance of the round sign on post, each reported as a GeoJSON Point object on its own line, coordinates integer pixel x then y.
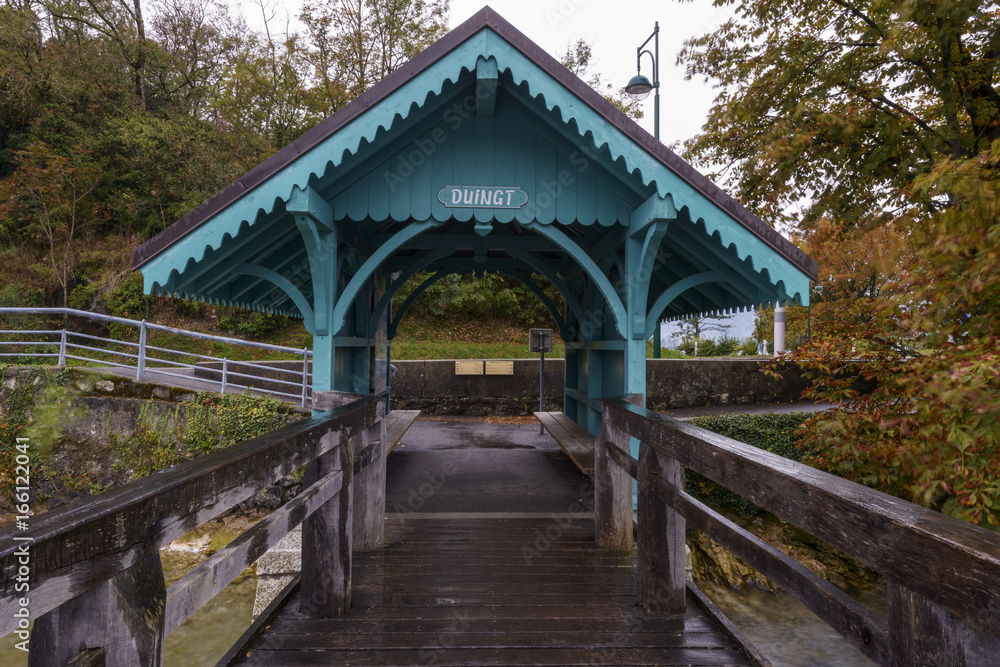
{"type": "Point", "coordinates": [540, 340]}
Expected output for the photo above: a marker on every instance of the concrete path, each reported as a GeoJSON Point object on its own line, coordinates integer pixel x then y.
{"type": "Point", "coordinates": [462, 465]}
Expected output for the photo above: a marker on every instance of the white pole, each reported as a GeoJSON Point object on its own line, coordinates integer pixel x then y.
{"type": "Point", "coordinates": [779, 329]}
{"type": "Point", "coordinates": [62, 348]}
{"type": "Point", "coordinates": [305, 375]}
{"type": "Point", "coordinates": [140, 366]}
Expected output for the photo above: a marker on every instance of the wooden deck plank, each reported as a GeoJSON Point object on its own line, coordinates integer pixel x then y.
{"type": "Point", "coordinates": [463, 593]}
{"type": "Point", "coordinates": [502, 638]}
{"type": "Point", "coordinates": [496, 656]}
{"type": "Point", "coordinates": [517, 623]}
{"type": "Point", "coordinates": [573, 439]}
{"type": "Point", "coordinates": [397, 423]}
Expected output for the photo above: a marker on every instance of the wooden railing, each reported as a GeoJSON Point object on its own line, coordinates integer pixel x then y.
{"type": "Point", "coordinates": [943, 575]}
{"type": "Point", "coordinates": [96, 588]}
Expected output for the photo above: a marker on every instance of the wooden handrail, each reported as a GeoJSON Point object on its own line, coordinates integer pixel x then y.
{"type": "Point", "coordinates": [77, 551]}
{"type": "Point", "coordinates": [943, 572]}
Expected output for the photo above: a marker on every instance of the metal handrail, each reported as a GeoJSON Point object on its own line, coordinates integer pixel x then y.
{"type": "Point", "coordinates": [140, 351]}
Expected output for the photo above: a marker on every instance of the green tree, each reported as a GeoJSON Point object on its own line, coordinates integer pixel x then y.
{"type": "Point", "coordinates": [264, 88]}
{"type": "Point", "coordinates": [871, 117]}
{"type": "Point", "coordinates": [48, 194]}
{"type": "Point", "coordinates": [352, 44]}
{"type": "Point", "coordinates": [192, 41]}
{"type": "Point", "coordinates": [842, 106]}
{"type": "Point", "coordinates": [120, 22]}
{"type": "Point", "coordinates": [694, 330]}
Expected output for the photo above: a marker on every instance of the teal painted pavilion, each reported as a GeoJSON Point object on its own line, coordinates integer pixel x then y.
{"type": "Point", "coordinates": [482, 154]}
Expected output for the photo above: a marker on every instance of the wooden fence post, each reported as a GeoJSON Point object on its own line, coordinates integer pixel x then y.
{"type": "Point", "coordinates": [326, 539]}
{"type": "Point", "coordinates": [660, 559]}
{"type": "Point", "coordinates": [923, 633]}
{"type": "Point", "coordinates": [612, 490]}
{"type": "Point", "coordinates": [369, 485]}
{"type": "Point", "coordinates": [124, 616]}
{"type": "Point", "coordinates": [368, 450]}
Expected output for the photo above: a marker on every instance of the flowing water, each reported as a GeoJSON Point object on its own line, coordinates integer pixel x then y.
{"type": "Point", "coordinates": [788, 634]}
{"type": "Point", "coordinates": [205, 637]}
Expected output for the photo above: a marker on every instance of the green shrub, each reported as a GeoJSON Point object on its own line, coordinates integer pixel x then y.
{"type": "Point", "coordinates": [128, 300]}
{"type": "Point", "coordinates": [82, 296]}
{"type": "Point", "coordinates": [20, 412]}
{"type": "Point", "coordinates": [216, 421]}
{"type": "Point", "coordinates": [726, 346]}
{"type": "Point", "coordinates": [249, 323]}
{"type": "Point", "coordinates": [775, 433]}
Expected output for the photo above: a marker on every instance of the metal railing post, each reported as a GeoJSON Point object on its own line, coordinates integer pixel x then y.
{"type": "Point", "coordinates": [225, 374]}
{"type": "Point", "coordinates": [305, 375]}
{"type": "Point", "coordinates": [62, 348]}
{"type": "Point", "coordinates": [290, 390]}
{"type": "Point", "coordinates": [140, 371]}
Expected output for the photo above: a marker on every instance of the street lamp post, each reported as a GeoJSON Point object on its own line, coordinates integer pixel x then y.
{"type": "Point", "coordinates": [639, 87]}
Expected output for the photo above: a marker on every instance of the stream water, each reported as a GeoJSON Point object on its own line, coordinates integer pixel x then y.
{"type": "Point", "coordinates": [788, 634]}
{"type": "Point", "coordinates": [205, 637]}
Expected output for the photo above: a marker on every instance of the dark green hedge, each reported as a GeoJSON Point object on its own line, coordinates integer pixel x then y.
{"type": "Point", "coordinates": [775, 433]}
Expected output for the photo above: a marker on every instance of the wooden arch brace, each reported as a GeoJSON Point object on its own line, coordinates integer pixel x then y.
{"type": "Point", "coordinates": [600, 280]}
{"type": "Point", "coordinates": [286, 286]}
{"type": "Point", "coordinates": [511, 268]}
{"type": "Point", "coordinates": [640, 259]}
{"type": "Point", "coordinates": [673, 292]}
{"type": "Point", "coordinates": [366, 270]}
{"type": "Point", "coordinates": [314, 220]}
{"type": "Point", "coordinates": [415, 268]}
{"type": "Point", "coordinates": [394, 324]}
{"type": "Point", "coordinates": [540, 267]}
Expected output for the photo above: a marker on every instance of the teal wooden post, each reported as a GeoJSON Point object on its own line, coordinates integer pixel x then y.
{"type": "Point", "coordinates": [324, 357]}
{"type": "Point", "coordinates": [314, 220]}
{"type": "Point", "coordinates": [646, 231]}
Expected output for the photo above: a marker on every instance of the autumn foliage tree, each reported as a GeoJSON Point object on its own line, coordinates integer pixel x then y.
{"type": "Point", "coordinates": [120, 116]}
{"type": "Point", "coordinates": [866, 123]}
{"type": "Point", "coordinates": [51, 193]}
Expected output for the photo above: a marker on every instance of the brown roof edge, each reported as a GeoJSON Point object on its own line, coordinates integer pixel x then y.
{"type": "Point", "coordinates": [485, 17]}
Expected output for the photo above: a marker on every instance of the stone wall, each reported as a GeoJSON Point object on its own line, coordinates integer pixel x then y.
{"type": "Point", "coordinates": [690, 383]}
{"type": "Point", "coordinates": [434, 388]}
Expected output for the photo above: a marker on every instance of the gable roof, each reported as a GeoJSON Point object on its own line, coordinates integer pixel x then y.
{"type": "Point", "coordinates": [485, 18]}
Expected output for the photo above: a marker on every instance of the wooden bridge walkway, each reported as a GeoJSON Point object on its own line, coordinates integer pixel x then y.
{"type": "Point", "coordinates": [450, 589]}
{"type": "Point", "coordinates": [489, 590]}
